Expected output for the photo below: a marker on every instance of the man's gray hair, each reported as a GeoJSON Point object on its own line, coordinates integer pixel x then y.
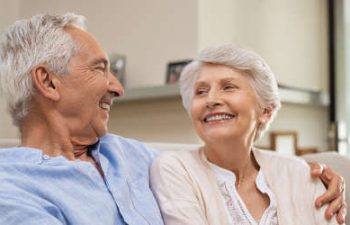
{"type": "Point", "coordinates": [243, 60]}
{"type": "Point", "coordinates": [30, 42]}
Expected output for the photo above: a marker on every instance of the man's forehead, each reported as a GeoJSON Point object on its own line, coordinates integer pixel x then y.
{"type": "Point", "coordinates": [81, 36]}
{"type": "Point", "coordinates": [87, 43]}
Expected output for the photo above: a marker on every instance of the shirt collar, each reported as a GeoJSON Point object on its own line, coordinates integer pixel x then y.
{"type": "Point", "coordinates": [36, 156]}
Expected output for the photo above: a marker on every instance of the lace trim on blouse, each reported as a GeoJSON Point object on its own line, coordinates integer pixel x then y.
{"type": "Point", "coordinates": [236, 210]}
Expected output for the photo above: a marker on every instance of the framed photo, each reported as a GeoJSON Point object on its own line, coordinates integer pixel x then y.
{"type": "Point", "coordinates": [284, 142]}
{"type": "Point", "coordinates": [117, 66]}
{"type": "Point", "coordinates": [174, 70]}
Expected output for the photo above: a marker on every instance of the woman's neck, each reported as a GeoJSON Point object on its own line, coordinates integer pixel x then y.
{"type": "Point", "coordinates": [234, 156]}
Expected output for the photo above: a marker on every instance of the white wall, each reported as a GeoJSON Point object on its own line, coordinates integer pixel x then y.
{"type": "Point", "coordinates": [310, 122]}
{"type": "Point", "coordinates": [153, 121]}
{"type": "Point", "coordinates": [149, 32]}
{"type": "Point", "coordinates": [9, 13]}
{"type": "Point", "coordinates": [289, 34]}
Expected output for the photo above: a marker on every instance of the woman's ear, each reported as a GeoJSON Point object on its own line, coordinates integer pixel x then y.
{"type": "Point", "coordinates": [265, 115]}
{"type": "Point", "coordinates": [45, 82]}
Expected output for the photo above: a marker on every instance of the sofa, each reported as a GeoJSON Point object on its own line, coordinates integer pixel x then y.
{"type": "Point", "coordinates": [339, 163]}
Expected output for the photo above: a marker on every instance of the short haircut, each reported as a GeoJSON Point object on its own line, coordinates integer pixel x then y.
{"type": "Point", "coordinates": [242, 60]}
{"type": "Point", "coordinates": [30, 42]}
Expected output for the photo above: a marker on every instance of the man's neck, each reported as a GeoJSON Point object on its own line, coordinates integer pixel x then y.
{"type": "Point", "coordinates": [54, 139]}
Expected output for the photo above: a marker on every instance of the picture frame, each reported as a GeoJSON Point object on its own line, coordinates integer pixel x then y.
{"type": "Point", "coordinates": [174, 70]}
{"type": "Point", "coordinates": [117, 66]}
{"type": "Point", "coordinates": [285, 142]}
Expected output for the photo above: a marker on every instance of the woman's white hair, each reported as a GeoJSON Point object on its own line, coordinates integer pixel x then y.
{"type": "Point", "coordinates": [27, 43]}
{"type": "Point", "coordinates": [243, 60]}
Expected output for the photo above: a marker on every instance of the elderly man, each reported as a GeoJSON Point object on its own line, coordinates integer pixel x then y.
{"type": "Point", "coordinates": [56, 79]}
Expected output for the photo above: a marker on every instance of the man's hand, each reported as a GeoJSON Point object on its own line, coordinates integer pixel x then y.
{"type": "Point", "coordinates": [335, 194]}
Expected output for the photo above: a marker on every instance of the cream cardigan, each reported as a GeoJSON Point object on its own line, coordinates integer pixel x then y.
{"type": "Point", "coordinates": [187, 192]}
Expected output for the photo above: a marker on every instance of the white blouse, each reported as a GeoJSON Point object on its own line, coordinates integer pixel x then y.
{"type": "Point", "coordinates": [236, 210]}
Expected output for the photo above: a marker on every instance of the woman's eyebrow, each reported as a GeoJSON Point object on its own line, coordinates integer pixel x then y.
{"type": "Point", "coordinates": [199, 83]}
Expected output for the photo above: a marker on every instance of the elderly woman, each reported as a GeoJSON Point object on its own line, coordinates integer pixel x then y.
{"type": "Point", "coordinates": [232, 97]}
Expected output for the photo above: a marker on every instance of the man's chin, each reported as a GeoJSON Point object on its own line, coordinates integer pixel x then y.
{"type": "Point", "coordinates": [102, 134]}
{"type": "Point", "coordinates": [102, 131]}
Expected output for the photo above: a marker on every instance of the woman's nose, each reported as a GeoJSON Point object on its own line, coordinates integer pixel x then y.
{"type": "Point", "coordinates": [213, 99]}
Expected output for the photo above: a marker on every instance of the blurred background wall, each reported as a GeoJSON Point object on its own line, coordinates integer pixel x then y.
{"type": "Point", "coordinates": [290, 34]}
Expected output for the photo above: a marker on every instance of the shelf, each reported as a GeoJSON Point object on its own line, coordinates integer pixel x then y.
{"type": "Point", "coordinates": [288, 95]}
{"type": "Point", "coordinates": [304, 97]}
{"type": "Point", "coordinates": [150, 93]}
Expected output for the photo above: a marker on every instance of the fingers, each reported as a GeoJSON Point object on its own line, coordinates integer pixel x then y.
{"type": "Point", "coordinates": [335, 195]}
{"type": "Point", "coordinates": [328, 176]}
{"type": "Point", "coordinates": [334, 208]}
{"type": "Point", "coordinates": [341, 214]}
{"type": "Point", "coordinates": [335, 187]}
{"type": "Point", "coordinates": [316, 168]}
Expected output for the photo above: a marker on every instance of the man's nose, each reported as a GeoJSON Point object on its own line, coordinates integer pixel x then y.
{"type": "Point", "coordinates": [115, 87]}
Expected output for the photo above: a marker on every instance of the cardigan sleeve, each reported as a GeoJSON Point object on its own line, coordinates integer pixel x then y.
{"type": "Point", "coordinates": [176, 192]}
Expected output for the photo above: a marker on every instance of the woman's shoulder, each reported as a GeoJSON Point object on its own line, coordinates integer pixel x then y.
{"type": "Point", "coordinates": [267, 158]}
{"type": "Point", "coordinates": [177, 158]}
{"type": "Point", "coordinates": [181, 163]}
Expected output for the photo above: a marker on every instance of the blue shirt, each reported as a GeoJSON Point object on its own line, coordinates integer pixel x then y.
{"type": "Point", "coordinates": [36, 189]}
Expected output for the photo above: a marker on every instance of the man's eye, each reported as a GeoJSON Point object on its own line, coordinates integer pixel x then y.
{"type": "Point", "coordinates": [100, 69]}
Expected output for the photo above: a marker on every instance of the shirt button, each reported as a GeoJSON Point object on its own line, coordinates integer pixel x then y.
{"type": "Point", "coordinates": [46, 157]}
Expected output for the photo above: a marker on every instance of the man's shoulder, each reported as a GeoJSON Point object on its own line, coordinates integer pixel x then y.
{"type": "Point", "coordinates": [20, 155]}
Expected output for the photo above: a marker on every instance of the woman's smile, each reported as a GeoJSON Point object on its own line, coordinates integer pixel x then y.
{"type": "Point", "coordinates": [218, 117]}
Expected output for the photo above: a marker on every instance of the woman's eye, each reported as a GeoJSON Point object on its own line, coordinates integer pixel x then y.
{"type": "Point", "coordinates": [229, 87]}
{"type": "Point", "coordinates": [200, 92]}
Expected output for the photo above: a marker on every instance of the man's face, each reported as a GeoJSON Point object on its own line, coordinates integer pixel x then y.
{"type": "Point", "coordinates": [87, 91]}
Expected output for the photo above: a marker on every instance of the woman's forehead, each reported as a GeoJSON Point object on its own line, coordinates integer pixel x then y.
{"type": "Point", "coordinates": [215, 72]}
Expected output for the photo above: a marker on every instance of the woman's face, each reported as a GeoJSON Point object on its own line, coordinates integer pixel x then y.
{"type": "Point", "coordinates": [224, 105]}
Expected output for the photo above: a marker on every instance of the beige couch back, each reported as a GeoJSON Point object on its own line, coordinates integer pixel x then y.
{"type": "Point", "coordinates": [339, 163]}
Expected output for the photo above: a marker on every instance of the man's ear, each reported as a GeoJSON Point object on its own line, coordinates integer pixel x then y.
{"type": "Point", "coordinates": [45, 82]}
{"type": "Point", "coordinates": [265, 115]}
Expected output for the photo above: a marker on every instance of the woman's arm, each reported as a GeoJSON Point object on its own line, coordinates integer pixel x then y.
{"type": "Point", "coordinates": [175, 194]}
{"type": "Point", "coordinates": [335, 194]}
